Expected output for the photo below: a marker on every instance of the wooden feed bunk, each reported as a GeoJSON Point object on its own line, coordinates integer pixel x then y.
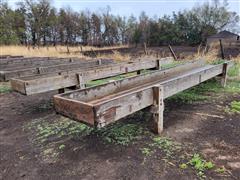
{"type": "Point", "coordinates": [38, 66]}
{"type": "Point", "coordinates": [79, 77]}
{"type": "Point", "coordinates": [101, 105]}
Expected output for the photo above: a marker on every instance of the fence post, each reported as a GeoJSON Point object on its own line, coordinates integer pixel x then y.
{"type": "Point", "coordinates": [224, 75]}
{"type": "Point", "coordinates": [221, 48]}
{"type": "Point", "coordinates": [172, 52]}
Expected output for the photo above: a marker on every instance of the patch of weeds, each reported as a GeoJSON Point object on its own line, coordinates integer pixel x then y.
{"type": "Point", "coordinates": [146, 151]}
{"type": "Point", "coordinates": [221, 170]}
{"type": "Point", "coordinates": [232, 87]}
{"type": "Point", "coordinates": [183, 166]}
{"type": "Point", "coordinates": [171, 65]}
{"type": "Point", "coordinates": [165, 144]}
{"type": "Point", "coordinates": [121, 134]}
{"type": "Point", "coordinates": [50, 154]}
{"type": "Point", "coordinates": [197, 93]}
{"type": "Point", "coordinates": [188, 96]}
{"type": "Point", "coordinates": [234, 70]}
{"type": "Point", "coordinates": [217, 61]}
{"type": "Point", "coordinates": [235, 106]}
{"type": "Point", "coordinates": [44, 106]}
{"type": "Point", "coordinates": [201, 92]}
{"type": "Point", "coordinates": [5, 88]}
{"type": "Point", "coordinates": [199, 164]}
{"type": "Point", "coordinates": [61, 147]}
{"type": "Point", "coordinates": [45, 130]}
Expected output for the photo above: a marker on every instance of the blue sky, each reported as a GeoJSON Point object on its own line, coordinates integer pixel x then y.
{"type": "Point", "coordinates": [135, 7]}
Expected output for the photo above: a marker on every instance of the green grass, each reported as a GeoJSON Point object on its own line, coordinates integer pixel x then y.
{"type": "Point", "coordinates": [5, 88]}
{"type": "Point", "coordinates": [119, 133]}
{"type": "Point", "coordinates": [200, 165]}
{"type": "Point", "coordinates": [203, 91]}
{"type": "Point", "coordinates": [146, 151]}
{"type": "Point", "coordinates": [167, 145]}
{"type": "Point", "coordinates": [221, 170]}
{"type": "Point", "coordinates": [234, 70]}
{"type": "Point", "coordinates": [171, 65]}
{"type": "Point", "coordinates": [115, 78]}
{"type": "Point", "coordinates": [44, 130]}
{"type": "Point", "coordinates": [218, 61]}
{"type": "Point", "coordinates": [235, 107]}
{"type": "Point", "coordinates": [197, 93]}
{"type": "Point", "coordinates": [61, 147]}
{"type": "Point", "coordinates": [232, 87]}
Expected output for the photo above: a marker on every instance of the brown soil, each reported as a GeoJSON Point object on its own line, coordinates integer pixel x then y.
{"type": "Point", "coordinates": [199, 127]}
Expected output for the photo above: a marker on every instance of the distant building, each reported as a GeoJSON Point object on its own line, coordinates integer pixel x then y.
{"type": "Point", "coordinates": [225, 36]}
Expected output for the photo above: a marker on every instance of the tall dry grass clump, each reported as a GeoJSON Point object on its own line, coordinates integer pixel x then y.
{"type": "Point", "coordinates": [57, 51]}
{"type": "Point", "coordinates": [117, 56]}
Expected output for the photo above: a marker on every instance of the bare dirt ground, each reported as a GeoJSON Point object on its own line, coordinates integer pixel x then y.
{"type": "Point", "coordinates": [36, 143]}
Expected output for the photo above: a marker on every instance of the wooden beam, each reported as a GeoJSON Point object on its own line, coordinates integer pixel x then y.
{"type": "Point", "coordinates": [21, 60]}
{"type": "Point", "coordinates": [4, 57]}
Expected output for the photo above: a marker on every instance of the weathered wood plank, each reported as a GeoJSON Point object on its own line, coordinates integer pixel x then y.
{"type": "Point", "coordinates": [8, 56]}
{"type": "Point", "coordinates": [13, 60]}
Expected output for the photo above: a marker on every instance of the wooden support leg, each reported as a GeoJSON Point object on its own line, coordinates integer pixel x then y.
{"type": "Point", "coordinates": [60, 91]}
{"type": "Point", "coordinates": [158, 67]}
{"type": "Point", "coordinates": [224, 75]}
{"type": "Point", "coordinates": [221, 48]}
{"type": "Point", "coordinates": [81, 84]}
{"type": "Point", "coordinates": [158, 108]}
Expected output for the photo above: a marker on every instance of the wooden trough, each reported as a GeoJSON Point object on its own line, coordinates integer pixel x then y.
{"type": "Point", "coordinates": [79, 77]}
{"type": "Point", "coordinates": [18, 60]}
{"type": "Point", "coordinates": [104, 104]}
{"type": "Point", "coordinates": [16, 72]}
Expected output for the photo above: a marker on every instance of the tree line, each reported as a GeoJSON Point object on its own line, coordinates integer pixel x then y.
{"type": "Point", "coordinates": [37, 22]}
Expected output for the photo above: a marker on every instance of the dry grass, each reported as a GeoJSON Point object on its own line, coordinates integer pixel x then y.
{"type": "Point", "coordinates": [213, 53]}
{"type": "Point", "coordinates": [117, 56]}
{"type": "Point", "coordinates": [58, 51]}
